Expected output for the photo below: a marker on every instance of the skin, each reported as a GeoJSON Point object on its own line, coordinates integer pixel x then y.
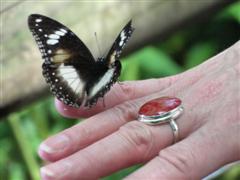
{"type": "Point", "coordinates": [111, 139]}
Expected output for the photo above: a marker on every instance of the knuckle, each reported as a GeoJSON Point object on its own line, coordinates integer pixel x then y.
{"type": "Point", "coordinates": [128, 90]}
{"type": "Point", "coordinates": [73, 135]}
{"type": "Point", "coordinates": [139, 138]}
{"type": "Point", "coordinates": [68, 135]}
{"type": "Point", "coordinates": [126, 111]}
{"type": "Point", "coordinates": [180, 161]}
{"type": "Point", "coordinates": [166, 82]}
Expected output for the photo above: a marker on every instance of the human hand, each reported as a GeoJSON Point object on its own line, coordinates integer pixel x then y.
{"type": "Point", "coordinates": [111, 139]}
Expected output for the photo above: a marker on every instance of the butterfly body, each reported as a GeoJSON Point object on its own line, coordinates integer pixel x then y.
{"type": "Point", "coordinates": [74, 76]}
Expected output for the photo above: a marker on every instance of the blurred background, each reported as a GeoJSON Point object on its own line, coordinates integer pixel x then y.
{"type": "Point", "coordinates": [170, 37]}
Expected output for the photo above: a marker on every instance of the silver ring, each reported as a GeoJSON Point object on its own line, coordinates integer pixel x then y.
{"type": "Point", "coordinates": [162, 110]}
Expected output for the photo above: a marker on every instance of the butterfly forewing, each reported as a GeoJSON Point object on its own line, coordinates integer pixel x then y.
{"type": "Point", "coordinates": [119, 43]}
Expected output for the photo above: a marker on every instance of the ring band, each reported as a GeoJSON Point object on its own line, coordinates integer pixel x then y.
{"type": "Point", "coordinates": [162, 110]}
{"type": "Point", "coordinates": [174, 127]}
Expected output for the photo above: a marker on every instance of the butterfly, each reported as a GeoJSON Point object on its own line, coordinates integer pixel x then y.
{"type": "Point", "coordinates": [75, 77]}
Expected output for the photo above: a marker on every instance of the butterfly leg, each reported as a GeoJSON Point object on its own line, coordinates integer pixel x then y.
{"type": "Point", "coordinates": [103, 102]}
{"type": "Point", "coordinates": [120, 83]}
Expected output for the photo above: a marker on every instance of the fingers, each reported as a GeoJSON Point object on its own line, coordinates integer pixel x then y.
{"type": "Point", "coordinates": [133, 143]}
{"type": "Point", "coordinates": [118, 94]}
{"type": "Point", "coordinates": [87, 132]}
{"type": "Point", "coordinates": [187, 159]}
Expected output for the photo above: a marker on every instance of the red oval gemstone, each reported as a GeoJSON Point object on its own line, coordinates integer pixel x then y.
{"type": "Point", "coordinates": [159, 106]}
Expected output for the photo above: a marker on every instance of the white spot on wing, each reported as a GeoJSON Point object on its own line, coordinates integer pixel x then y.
{"type": "Point", "coordinates": [60, 33]}
{"type": "Point", "coordinates": [113, 57]}
{"type": "Point", "coordinates": [123, 36]}
{"type": "Point", "coordinates": [52, 41]}
{"type": "Point", "coordinates": [106, 78]}
{"type": "Point", "coordinates": [38, 20]}
{"type": "Point", "coordinates": [63, 30]}
{"type": "Point", "coordinates": [70, 75]}
{"type": "Point", "coordinates": [121, 43]}
{"type": "Point", "coordinates": [54, 36]}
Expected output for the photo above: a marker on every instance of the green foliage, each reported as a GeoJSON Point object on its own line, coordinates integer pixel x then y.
{"type": "Point", "coordinates": [25, 143]}
{"type": "Point", "coordinates": [21, 132]}
{"type": "Point", "coordinates": [149, 62]}
{"type": "Point", "coordinates": [198, 53]}
{"type": "Point", "coordinates": [121, 174]}
{"type": "Point", "coordinates": [232, 12]}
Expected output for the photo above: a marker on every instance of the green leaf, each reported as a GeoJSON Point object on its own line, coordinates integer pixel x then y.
{"type": "Point", "coordinates": [148, 62]}
{"type": "Point", "coordinates": [175, 43]}
{"type": "Point", "coordinates": [25, 145]}
{"type": "Point", "coordinates": [16, 172]}
{"type": "Point", "coordinates": [121, 174]}
{"type": "Point", "coordinates": [233, 11]}
{"type": "Point", "coordinates": [38, 114]}
{"type": "Point", "coordinates": [6, 145]}
{"type": "Point", "coordinates": [155, 63]}
{"type": "Point", "coordinates": [130, 68]}
{"type": "Point", "coordinates": [199, 53]}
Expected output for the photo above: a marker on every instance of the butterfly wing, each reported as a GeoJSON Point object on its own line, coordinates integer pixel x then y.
{"type": "Point", "coordinates": [66, 59]}
{"type": "Point", "coordinates": [113, 66]}
{"type": "Point", "coordinates": [118, 45]}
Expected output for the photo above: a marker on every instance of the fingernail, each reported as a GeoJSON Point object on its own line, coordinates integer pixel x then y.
{"type": "Point", "coordinates": [46, 173]}
{"type": "Point", "coordinates": [54, 144]}
{"type": "Point", "coordinates": [54, 172]}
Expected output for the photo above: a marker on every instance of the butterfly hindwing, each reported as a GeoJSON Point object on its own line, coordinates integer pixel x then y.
{"type": "Point", "coordinates": [102, 83]}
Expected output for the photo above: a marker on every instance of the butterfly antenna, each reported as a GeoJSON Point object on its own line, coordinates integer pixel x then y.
{"type": "Point", "coordinates": [99, 50]}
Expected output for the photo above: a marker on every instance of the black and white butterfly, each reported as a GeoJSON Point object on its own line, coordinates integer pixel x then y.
{"type": "Point", "coordinates": [74, 76]}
